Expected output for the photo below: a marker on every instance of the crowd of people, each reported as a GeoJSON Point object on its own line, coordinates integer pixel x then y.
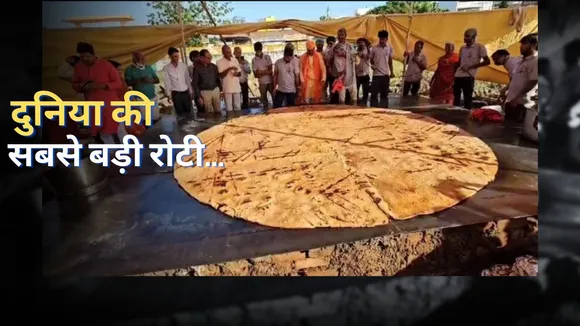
{"type": "Point", "coordinates": [339, 73]}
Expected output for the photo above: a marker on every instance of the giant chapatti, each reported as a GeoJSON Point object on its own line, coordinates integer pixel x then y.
{"type": "Point", "coordinates": [337, 168]}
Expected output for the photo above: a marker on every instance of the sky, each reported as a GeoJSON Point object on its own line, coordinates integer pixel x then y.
{"type": "Point", "coordinates": [55, 11]}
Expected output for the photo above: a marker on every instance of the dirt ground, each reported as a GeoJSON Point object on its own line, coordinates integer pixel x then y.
{"type": "Point", "coordinates": [464, 250]}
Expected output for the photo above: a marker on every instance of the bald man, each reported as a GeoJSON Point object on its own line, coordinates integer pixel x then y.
{"type": "Point", "coordinates": [472, 56]}
{"type": "Point", "coordinates": [348, 71]}
{"type": "Point", "coordinates": [230, 71]}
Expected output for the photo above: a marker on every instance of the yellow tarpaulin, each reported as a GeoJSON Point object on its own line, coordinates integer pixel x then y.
{"type": "Point", "coordinates": [117, 43]}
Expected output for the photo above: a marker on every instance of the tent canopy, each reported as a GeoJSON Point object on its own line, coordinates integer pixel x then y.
{"type": "Point", "coordinates": [434, 29]}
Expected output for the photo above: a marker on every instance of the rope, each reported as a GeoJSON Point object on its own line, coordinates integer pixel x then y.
{"type": "Point", "coordinates": [420, 73]}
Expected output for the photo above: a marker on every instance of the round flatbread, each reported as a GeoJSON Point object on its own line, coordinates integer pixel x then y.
{"type": "Point", "coordinates": [309, 168]}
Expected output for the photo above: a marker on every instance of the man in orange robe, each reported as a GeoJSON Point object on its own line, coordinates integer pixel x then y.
{"type": "Point", "coordinates": [99, 81]}
{"type": "Point", "coordinates": [312, 75]}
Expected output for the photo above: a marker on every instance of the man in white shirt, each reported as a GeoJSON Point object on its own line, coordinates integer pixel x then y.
{"type": "Point", "coordinates": [503, 58]}
{"type": "Point", "coordinates": [230, 72]}
{"type": "Point", "coordinates": [178, 83]}
{"type": "Point", "coordinates": [472, 56]}
{"type": "Point", "coordinates": [382, 64]}
{"type": "Point", "coordinates": [245, 66]}
{"type": "Point", "coordinates": [286, 79]}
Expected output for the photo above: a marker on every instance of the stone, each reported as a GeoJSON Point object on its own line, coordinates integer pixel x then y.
{"type": "Point", "coordinates": [326, 272]}
{"type": "Point", "coordinates": [320, 252]}
{"type": "Point", "coordinates": [288, 257]}
{"type": "Point", "coordinates": [310, 263]}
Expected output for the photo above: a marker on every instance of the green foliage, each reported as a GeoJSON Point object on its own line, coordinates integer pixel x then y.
{"type": "Point", "coordinates": [327, 15]}
{"type": "Point", "coordinates": [167, 12]}
{"type": "Point", "coordinates": [404, 7]}
{"type": "Point", "coordinates": [501, 4]}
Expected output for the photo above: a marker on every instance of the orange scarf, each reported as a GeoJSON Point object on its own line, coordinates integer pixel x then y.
{"type": "Point", "coordinates": [315, 88]}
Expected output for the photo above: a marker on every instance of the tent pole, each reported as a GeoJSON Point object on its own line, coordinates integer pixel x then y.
{"type": "Point", "coordinates": [183, 44]}
{"type": "Point", "coordinates": [406, 58]}
{"type": "Point", "coordinates": [204, 5]}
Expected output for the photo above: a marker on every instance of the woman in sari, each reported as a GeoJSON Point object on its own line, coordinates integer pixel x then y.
{"type": "Point", "coordinates": [442, 81]}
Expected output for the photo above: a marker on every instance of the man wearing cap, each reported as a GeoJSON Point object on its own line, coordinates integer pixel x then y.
{"type": "Point", "coordinates": [142, 78]}
{"type": "Point", "coordinates": [312, 74]}
{"type": "Point", "coordinates": [472, 56]}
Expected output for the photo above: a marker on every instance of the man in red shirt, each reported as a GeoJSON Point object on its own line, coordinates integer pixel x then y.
{"type": "Point", "coordinates": [99, 81]}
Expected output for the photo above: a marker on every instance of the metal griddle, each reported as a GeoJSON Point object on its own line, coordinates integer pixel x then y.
{"type": "Point", "coordinates": [144, 222]}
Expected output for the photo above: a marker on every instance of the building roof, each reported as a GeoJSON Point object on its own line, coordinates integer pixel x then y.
{"type": "Point", "coordinates": [277, 35]}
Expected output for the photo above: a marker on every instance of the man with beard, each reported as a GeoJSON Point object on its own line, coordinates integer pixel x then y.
{"type": "Point", "coordinates": [142, 78]}
{"type": "Point", "coordinates": [312, 75]}
{"type": "Point", "coordinates": [524, 81]}
{"type": "Point", "coordinates": [263, 70]}
{"type": "Point", "coordinates": [286, 79]}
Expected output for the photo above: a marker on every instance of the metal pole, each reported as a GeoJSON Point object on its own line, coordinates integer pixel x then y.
{"type": "Point", "coordinates": [183, 44]}
{"type": "Point", "coordinates": [204, 6]}
{"type": "Point", "coordinates": [406, 57]}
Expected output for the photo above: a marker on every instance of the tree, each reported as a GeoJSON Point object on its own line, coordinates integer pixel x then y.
{"type": "Point", "coordinates": [404, 7]}
{"type": "Point", "coordinates": [327, 15]}
{"type": "Point", "coordinates": [167, 12]}
{"type": "Point", "coordinates": [501, 4]}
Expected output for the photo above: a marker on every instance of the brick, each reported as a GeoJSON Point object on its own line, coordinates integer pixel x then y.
{"type": "Point", "coordinates": [265, 259]}
{"type": "Point", "coordinates": [326, 272]}
{"type": "Point", "coordinates": [320, 252]}
{"type": "Point", "coordinates": [310, 263]}
{"type": "Point", "coordinates": [289, 257]}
